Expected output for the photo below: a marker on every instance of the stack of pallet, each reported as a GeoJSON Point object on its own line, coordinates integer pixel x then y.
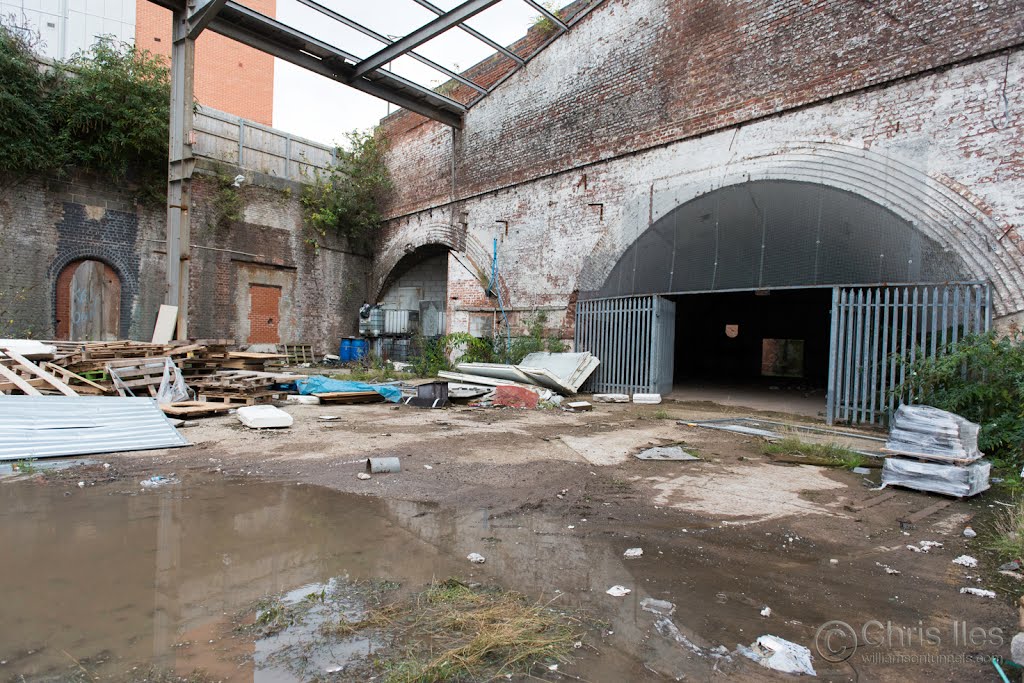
{"type": "Point", "coordinates": [242, 387]}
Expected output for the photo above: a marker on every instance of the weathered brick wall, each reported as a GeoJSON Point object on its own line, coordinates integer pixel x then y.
{"type": "Point", "coordinates": [45, 225]}
{"type": "Point", "coordinates": [647, 104]}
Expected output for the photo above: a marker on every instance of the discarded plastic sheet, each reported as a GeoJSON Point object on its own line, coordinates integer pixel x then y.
{"type": "Point", "coordinates": [950, 480]}
{"type": "Point", "coordinates": [53, 426]}
{"type": "Point", "coordinates": [659, 607]}
{"type": "Point", "coordinates": [934, 434]}
{"type": "Point", "coordinates": [779, 654]}
{"type": "Point", "coordinates": [263, 417]}
{"type": "Point", "coordinates": [633, 553]}
{"type": "Point", "coordinates": [665, 453]}
{"type": "Point", "coordinates": [476, 558]}
{"type": "Point", "coordinates": [156, 481]}
{"type": "Point", "coordinates": [318, 384]}
{"type": "Point", "coordinates": [924, 546]}
{"type": "Point", "coordinates": [980, 592]}
{"type": "Point", "coordinates": [618, 591]}
{"type": "Point", "coordinates": [966, 561]}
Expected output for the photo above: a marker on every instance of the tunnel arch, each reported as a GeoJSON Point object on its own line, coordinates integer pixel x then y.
{"type": "Point", "coordinates": [941, 213]}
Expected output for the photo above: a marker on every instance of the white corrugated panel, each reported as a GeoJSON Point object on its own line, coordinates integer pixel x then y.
{"type": "Point", "coordinates": [52, 426]}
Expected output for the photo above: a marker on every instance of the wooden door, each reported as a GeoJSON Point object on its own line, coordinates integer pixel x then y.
{"type": "Point", "coordinates": [95, 302]}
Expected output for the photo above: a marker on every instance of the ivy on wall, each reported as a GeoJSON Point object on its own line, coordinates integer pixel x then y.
{"type": "Point", "coordinates": [104, 111]}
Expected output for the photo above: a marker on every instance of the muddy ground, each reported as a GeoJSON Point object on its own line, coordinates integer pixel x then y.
{"type": "Point", "coordinates": [723, 537]}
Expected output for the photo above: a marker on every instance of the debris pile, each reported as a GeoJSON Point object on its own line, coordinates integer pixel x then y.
{"type": "Point", "coordinates": [934, 450]}
{"type": "Point", "coordinates": [541, 378]}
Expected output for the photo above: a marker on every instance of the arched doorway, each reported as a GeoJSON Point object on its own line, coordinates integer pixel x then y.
{"type": "Point", "coordinates": [414, 297]}
{"type": "Point", "coordinates": [88, 302]}
{"type": "Point", "coordinates": [766, 289]}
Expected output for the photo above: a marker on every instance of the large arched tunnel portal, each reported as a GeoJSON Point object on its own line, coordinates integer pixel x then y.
{"type": "Point", "coordinates": [776, 293]}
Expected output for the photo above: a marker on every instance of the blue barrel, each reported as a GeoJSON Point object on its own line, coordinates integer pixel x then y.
{"type": "Point", "coordinates": [360, 347]}
{"type": "Point", "coordinates": [345, 350]}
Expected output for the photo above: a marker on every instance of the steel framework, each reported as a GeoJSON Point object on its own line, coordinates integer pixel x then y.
{"type": "Point", "coordinates": [368, 74]}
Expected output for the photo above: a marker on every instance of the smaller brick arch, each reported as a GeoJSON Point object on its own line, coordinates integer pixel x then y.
{"type": "Point", "coordinates": [126, 274]}
{"type": "Point", "coordinates": [87, 301]}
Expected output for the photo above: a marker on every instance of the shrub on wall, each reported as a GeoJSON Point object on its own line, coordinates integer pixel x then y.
{"type": "Point", "coordinates": [104, 111]}
{"type": "Point", "coordinates": [347, 200]}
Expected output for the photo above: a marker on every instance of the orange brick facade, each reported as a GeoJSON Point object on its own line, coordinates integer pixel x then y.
{"type": "Point", "coordinates": [229, 76]}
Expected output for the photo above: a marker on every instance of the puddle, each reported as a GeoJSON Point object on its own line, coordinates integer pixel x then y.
{"type": "Point", "coordinates": [103, 581]}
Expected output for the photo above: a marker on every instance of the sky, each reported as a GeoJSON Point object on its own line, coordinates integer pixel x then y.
{"type": "Point", "coordinates": [317, 108]}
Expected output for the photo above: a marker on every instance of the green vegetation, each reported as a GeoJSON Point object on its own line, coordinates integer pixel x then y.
{"type": "Point", "coordinates": [1007, 537]}
{"type": "Point", "coordinates": [227, 202]}
{"type": "Point", "coordinates": [661, 414]}
{"type": "Point", "coordinates": [982, 379]}
{"type": "Point", "coordinates": [348, 199]}
{"type": "Point", "coordinates": [104, 111]}
{"type": "Point", "coordinates": [829, 454]}
{"type": "Point", "coordinates": [27, 466]}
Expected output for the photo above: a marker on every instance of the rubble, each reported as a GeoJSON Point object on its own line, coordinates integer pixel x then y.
{"type": "Point", "coordinates": [515, 397]}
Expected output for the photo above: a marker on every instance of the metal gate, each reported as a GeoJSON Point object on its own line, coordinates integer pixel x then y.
{"type": "Point", "coordinates": [878, 331]}
{"type": "Point", "coordinates": [634, 339]}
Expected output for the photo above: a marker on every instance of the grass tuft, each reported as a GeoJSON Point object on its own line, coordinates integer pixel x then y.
{"type": "Point", "coordinates": [825, 453]}
{"type": "Point", "coordinates": [661, 414]}
{"type": "Point", "coordinates": [1008, 532]}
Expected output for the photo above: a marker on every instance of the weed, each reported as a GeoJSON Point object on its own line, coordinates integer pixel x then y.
{"type": "Point", "coordinates": [826, 453]}
{"type": "Point", "coordinates": [1008, 532]}
{"type": "Point", "coordinates": [27, 466]}
{"type": "Point", "coordinates": [661, 415]}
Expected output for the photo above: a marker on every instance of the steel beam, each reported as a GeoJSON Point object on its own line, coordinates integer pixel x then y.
{"type": "Point", "coordinates": [421, 35]}
{"type": "Point", "coordinates": [335, 69]}
{"type": "Point", "coordinates": [476, 34]}
{"type": "Point", "coordinates": [388, 41]}
{"type": "Point", "coordinates": [180, 164]}
{"type": "Point", "coordinates": [202, 15]}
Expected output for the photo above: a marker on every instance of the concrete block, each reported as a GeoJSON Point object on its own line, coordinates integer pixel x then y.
{"type": "Point", "coordinates": [264, 417]}
{"type": "Point", "coordinates": [647, 399]}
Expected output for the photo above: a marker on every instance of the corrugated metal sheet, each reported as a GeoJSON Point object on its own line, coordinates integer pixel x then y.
{"type": "Point", "coordinates": [52, 426]}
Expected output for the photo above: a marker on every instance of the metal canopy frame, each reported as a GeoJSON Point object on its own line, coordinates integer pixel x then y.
{"type": "Point", "coordinates": [368, 74]}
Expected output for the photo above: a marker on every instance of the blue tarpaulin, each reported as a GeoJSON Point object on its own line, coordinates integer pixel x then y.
{"type": "Point", "coordinates": [318, 384]}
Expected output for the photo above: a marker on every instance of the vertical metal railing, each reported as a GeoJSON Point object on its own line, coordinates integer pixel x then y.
{"type": "Point", "coordinates": [623, 333]}
{"type": "Point", "coordinates": [878, 332]}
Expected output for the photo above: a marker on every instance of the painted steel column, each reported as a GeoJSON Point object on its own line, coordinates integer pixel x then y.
{"type": "Point", "coordinates": [180, 164]}
{"type": "Point", "coordinates": [833, 350]}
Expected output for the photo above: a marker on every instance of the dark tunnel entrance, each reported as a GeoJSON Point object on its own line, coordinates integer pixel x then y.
{"type": "Point", "coordinates": [752, 345]}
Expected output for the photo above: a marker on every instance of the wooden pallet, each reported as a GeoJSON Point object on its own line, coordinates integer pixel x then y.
{"type": "Point", "coordinates": [298, 353]}
{"type": "Point", "coordinates": [138, 375]}
{"type": "Point", "coordinates": [80, 384]}
{"type": "Point", "coordinates": [22, 375]}
{"type": "Point", "coordinates": [234, 399]}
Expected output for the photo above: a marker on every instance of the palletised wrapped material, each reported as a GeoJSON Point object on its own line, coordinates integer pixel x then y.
{"type": "Point", "coordinates": [933, 434]}
{"type": "Point", "coordinates": [951, 480]}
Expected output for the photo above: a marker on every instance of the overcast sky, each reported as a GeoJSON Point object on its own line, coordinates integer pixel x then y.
{"type": "Point", "coordinates": [323, 110]}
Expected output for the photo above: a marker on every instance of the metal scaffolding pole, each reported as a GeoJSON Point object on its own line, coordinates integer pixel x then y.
{"type": "Point", "coordinates": [180, 164]}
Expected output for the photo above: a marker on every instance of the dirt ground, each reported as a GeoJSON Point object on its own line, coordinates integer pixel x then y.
{"type": "Point", "coordinates": [734, 531]}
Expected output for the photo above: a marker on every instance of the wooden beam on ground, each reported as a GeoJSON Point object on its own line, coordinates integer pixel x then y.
{"type": "Point", "coordinates": [32, 368]}
{"type": "Point", "coordinates": [15, 379]}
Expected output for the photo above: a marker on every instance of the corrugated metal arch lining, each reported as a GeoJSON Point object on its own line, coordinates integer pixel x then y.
{"type": "Point", "coordinates": [778, 233]}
